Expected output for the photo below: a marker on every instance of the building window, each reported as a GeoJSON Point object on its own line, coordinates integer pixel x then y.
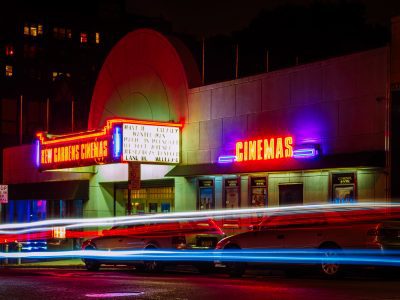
{"type": "Point", "coordinates": [62, 33]}
{"type": "Point", "coordinates": [55, 74]}
{"type": "Point", "coordinates": [33, 29]}
{"type": "Point", "coordinates": [26, 29]}
{"type": "Point", "coordinates": [9, 50]}
{"type": "Point", "coordinates": [97, 37]}
{"type": "Point", "coordinates": [29, 51]}
{"type": "Point", "coordinates": [40, 29]}
{"type": "Point", "coordinates": [83, 37]}
{"type": "Point", "coordinates": [9, 71]}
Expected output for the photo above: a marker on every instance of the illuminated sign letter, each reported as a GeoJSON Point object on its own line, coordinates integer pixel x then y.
{"type": "Point", "coordinates": [246, 151]}
{"type": "Point", "coordinates": [269, 149]}
{"type": "Point", "coordinates": [264, 149]}
{"type": "Point", "coordinates": [239, 154]}
{"type": "Point", "coordinates": [288, 146]}
{"type": "Point", "coordinates": [279, 148]}
{"type": "Point", "coordinates": [259, 149]}
{"type": "Point", "coordinates": [252, 150]}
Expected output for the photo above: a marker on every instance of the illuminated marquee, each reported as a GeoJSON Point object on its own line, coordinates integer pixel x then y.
{"type": "Point", "coordinates": [120, 140]}
{"type": "Point", "coordinates": [264, 149]}
{"type": "Point", "coordinates": [159, 144]}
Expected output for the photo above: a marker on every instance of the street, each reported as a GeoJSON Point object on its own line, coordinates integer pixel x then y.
{"type": "Point", "coordinates": [53, 283]}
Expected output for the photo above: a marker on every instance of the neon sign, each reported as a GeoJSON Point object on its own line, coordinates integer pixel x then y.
{"type": "Point", "coordinates": [107, 145]}
{"type": "Point", "coordinates": [150, 143]}
{"type": "Point", "coordinates": [264, 149]}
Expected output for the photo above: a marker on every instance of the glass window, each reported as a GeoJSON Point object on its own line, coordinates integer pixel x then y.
{"type": "Point", "coordinates": [9, 70]}
{"type": "Point", "coordinates": [83, 37]}
{"type": "Point", "coordinates": [54, 75]}
{"type": "Point", "coordinates": [26, 210]}
{"type": "Point", "coordinates": [26, 29]}
{"type": "Point", "coordinates": [205, 198]}
{"type": "Point", "coordinates": [344, 188]}
{"type": "Point", "coordinates": [258, 192]}
{"type": "Point", "coordinates": [9, 50]}
{"type": "Point", "coordinates": [97, 37]}
{"type": "Point", "coordinates": [145, 200]}
{"type": "Point", "coordinates": [33, 30]}
{"type": "Point", "coordinates": [40, 29]}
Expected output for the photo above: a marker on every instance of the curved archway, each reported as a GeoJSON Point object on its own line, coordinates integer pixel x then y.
{"type": "Point", "coordinates": [145, 76]}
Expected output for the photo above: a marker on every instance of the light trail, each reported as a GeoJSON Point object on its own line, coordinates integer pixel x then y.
{"type": "Point", "coordinates": [292, 256]}
{"type": "Point", "coordinates": [192, 216]}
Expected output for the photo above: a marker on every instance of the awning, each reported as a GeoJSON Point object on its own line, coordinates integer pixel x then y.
{"type": "Point", "coordinates": [53, 190]}
{"type": "Point", "coordinates": [151, 183]}
{"type": "Point", "coordinates": [374, 159]}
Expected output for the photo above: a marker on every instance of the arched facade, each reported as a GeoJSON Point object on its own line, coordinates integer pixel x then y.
{"type": "Point", "coordinates": [144, 77]}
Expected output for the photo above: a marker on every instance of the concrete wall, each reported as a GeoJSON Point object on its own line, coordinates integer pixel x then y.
{"type": "Point", "coordinates": [101, 187]}
{"type": "Point", "coordinates": [336, 103]}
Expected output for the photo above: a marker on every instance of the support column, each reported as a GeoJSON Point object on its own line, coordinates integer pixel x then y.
{"type": "Point", "coordinates": [133, 183]}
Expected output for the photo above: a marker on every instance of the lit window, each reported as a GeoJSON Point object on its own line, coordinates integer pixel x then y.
{"type": "Point", "coordinates": [33, 30]}
{"type": "Point", "coordinates": [9, 71]}
{"type": "Point", "coordinates": [97, 37]}
{"type": "Point", "coordinates": [26, 29]}
{"type": "Point", "coordinates": [69, 34]}
{"type": "Point", "coordinates": [9, 50]}
{"type": "Point", "coordinates": [83, 37]}
{"type": "Point", "coordinates": [40, 29]}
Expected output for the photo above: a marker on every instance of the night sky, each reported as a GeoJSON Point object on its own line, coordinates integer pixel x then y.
{"type": "Point", "coordinates": [210, 17]}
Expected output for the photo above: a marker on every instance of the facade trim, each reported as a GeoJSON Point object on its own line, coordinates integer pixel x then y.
{"type": "Point", "coordinates": [374, 159]}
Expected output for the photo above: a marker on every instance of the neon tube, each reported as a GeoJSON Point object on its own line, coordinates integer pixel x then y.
{"type": "Point", "coordinates": [293, 256]}
{"type": "Point", "coordinates": [203, 214]}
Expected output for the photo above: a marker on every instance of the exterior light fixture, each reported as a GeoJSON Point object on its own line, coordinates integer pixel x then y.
{"type": "Point", "coordinates": [308, 151]}
{"type": "Point", "coordinates": [117, 139]}
{"type": "Point", "coordinates": [37, 158]}
{"type": "Point", "coordinates": [223, 159]}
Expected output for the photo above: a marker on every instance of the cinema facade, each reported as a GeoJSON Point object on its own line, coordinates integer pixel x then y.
{"type": "Point", "coordinates": [315, 133]}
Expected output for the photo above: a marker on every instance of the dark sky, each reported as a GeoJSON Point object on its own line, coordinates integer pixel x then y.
{"type": "Point", "coordinates": [210, 17]}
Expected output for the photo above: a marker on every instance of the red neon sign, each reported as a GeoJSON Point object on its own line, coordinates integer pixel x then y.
{"type": "Point", "coordinates": [84, 148]}
{"type": "Point", "coordinates": [264, 149]}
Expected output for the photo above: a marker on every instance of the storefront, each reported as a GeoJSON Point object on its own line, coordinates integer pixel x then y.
{"type": "Point", "coordinates": [310, 134]}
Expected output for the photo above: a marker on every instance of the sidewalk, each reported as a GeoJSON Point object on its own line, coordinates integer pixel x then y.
{"type": "Point", "coordinates": [74, 263]}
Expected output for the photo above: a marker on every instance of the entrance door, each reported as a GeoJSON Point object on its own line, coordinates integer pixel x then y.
{"type": "Point", "coordinates": [291, 194]}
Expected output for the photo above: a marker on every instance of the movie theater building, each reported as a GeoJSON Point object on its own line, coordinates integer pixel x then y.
{"type": "Point", "coordinates": [314, 133]}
